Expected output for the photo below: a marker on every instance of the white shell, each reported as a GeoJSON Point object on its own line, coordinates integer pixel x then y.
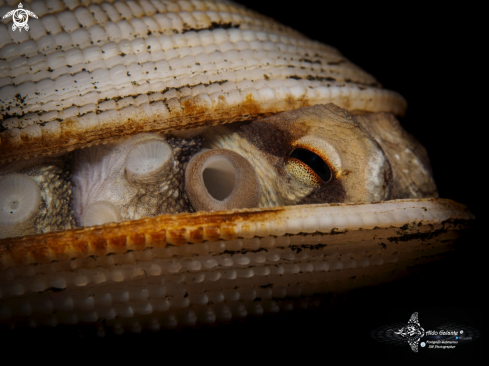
{"type": "Point", "coordinates": [150, 66]}
{"type": "Point", "coordinates": [222, 278]}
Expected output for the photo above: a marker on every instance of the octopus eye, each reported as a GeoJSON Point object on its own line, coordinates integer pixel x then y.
{"type": "Point", "coordinates": [314, 161]}
{"type": "Point", "coordinates": [99, 213]}
{"type": "Point", "coordinates": [19, 199]}
{"type": "Point", "coordinates": [308, 167]}
{"type": "Point", "coordinates": [147, 160]}
{"type": "Point", "coordinates": [221, 179]}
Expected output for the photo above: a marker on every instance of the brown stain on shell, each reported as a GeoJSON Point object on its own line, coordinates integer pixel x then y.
{"type": "Point", "coordinates": [184, 114]}
{"type": "Point", "coordinates": [134, 235]}
{"type": "Point", "coordinates": [155, 232]}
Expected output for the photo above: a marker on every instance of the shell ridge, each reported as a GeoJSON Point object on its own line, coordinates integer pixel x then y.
{"type": "Point", "coordinates": [100, 66]}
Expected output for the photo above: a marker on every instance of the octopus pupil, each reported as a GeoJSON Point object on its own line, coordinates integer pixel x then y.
{"type": "Point", "coordinates": [314, 162]}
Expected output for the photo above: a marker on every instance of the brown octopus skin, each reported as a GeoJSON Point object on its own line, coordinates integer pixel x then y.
{"type": "Point", "coordinates": [176, 242]}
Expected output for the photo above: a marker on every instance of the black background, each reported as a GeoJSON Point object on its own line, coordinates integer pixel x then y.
{"type": "Point", "coordinates": [434, 58]}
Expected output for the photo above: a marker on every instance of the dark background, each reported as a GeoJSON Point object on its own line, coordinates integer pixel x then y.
{"type": "Point", "coordinates": [434, 58]}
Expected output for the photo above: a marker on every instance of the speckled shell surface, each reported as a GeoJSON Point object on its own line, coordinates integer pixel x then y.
{"type": "Point", "coordinates": [88, 72]}
{"type": "Point", "coordinates": [204, 268]}
{"type": "Point", "coordinates": [92, 72]}
{"type": "Point", "coordinates": [224, 225]}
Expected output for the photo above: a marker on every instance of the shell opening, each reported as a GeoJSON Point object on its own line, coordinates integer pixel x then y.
{"type": "Point", "coordinates": [147, 159]}
{"type": "Point", "coordinates": [19, 198]}
{"type": "Point", "coordinates": [219, 176]}
{"type": "Point", "coordinates": [99, 213]}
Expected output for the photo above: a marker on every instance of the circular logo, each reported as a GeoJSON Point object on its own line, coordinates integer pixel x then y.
{"type": "Point", "coordinates": [423, 344]}
{"type": "Point", "coordinates": [20, 18]}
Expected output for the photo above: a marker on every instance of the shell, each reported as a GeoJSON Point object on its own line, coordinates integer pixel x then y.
{"type": "Point", "coordinates": [91, 74]}
{"type": "Point", "coordinates": [78, 78]}
{"type": "Point", "coordinates": [246, 262]}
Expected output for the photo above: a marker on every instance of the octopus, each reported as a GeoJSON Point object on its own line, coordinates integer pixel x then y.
{"type": "Point", "coordinates": [172, 163]}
